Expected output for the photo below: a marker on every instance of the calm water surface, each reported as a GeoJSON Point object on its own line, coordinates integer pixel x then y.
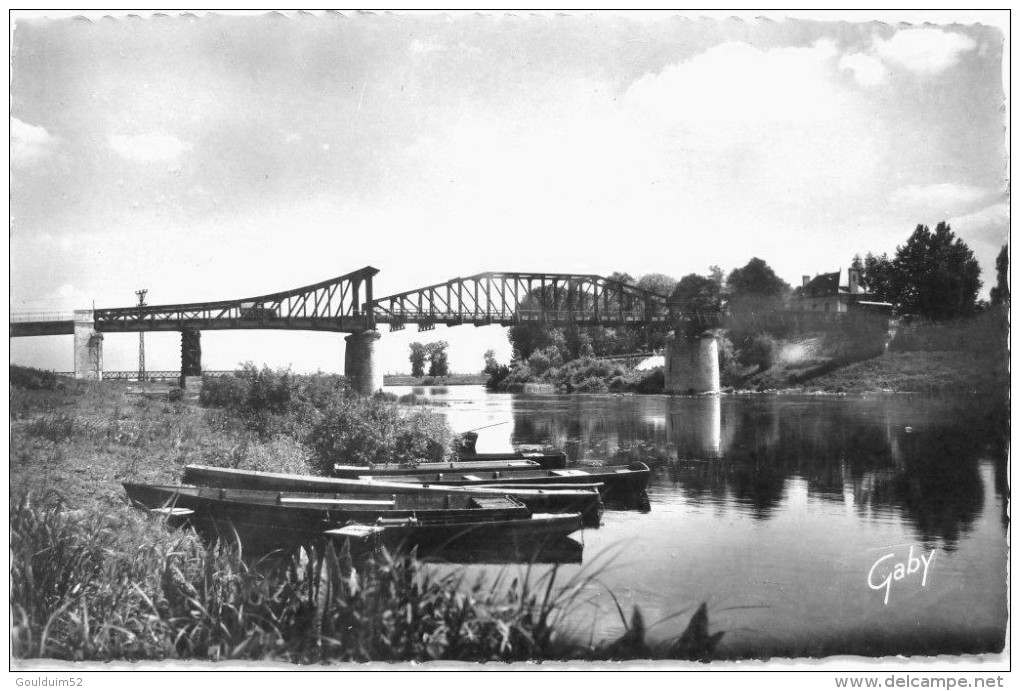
{"type": "Point", "coordinates": [776, 511]}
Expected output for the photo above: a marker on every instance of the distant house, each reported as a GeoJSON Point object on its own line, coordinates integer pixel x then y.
{"type": "Point", "coordinates": [839, 291]}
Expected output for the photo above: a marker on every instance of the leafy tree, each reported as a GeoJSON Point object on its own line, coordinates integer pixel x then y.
{"type": "Point", "coordinates": [439, 365]}
{"type": "Point", "coordinates": [877, 275]}
{"type": "Point", "coordinates": [696, 293]}
{"type": "Point", "coordinates": [716, 274]}
{"type": "Point", "coordinates": [755, 293]}
{"type": "Point", "coordinates": [936, 274]}
{"type": "Point", "coordinates": [657, 283]}
{"type": "Point", "coordinates": [1000, 293]}
{"type": "Point", "coordinates": [756, 279]}
{"type": "Point", "coordinates": [418, 357]}
{"type": "Point", "coordinates": [622, 277]}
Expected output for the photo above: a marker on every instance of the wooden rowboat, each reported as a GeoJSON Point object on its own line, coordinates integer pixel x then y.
{"type": "Point", "coordinates": [264, 521]}
{"type": "Point", "coordinates": [511, 531]}
{"type": "Point", "coordinates": [381, 469]}
{"type": "Point", "coordinates": [619, 482]}
{"type": "Point", "coordinates": [539, 499]}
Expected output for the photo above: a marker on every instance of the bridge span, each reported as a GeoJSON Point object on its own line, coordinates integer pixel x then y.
{"type": "Point", "coordinates": [346, 304]}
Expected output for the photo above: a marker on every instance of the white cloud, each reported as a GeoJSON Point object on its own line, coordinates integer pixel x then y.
{"type": "Point", "coordinates": [867, 70]}
{"type": "Point", "coordinates": [776, 121]}
{"type": "Point", "coordinates": [145, 148]}
{"type": "Point", "coordinates": [941, 198]}
{"type": "Point", "coordinates": [990, 223]}
{"type": "Point", "coordinates": [924, 51]}
{"type": "Point", "coordinates": [29, 143]}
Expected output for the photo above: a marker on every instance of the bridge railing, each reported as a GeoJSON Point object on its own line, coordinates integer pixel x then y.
{"type": "Point", "coordinates": [25, 317]}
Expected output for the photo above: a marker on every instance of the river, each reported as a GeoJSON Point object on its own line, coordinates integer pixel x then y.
{"type": "Point", "coordinates": [787, 515]}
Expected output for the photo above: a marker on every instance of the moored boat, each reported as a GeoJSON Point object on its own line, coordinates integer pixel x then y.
{"type": "Point", "coordinates": [381, 469]}
{"type": "Point", "coordinates": [618, 482]}
{"type": "Point", "coordinates": [272, 520]}
{"type": "Point", "coordinates": [541, 499]}
{"type": "Point", "coordinates": [410, 532]}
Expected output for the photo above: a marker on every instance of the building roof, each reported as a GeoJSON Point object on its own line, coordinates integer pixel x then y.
{"type": "Point", "coordinates": [822, 285]}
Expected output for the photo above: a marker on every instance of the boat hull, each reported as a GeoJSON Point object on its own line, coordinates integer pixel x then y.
{"type": "Point", "coordinates": [506, 534]}
{"type": "Point", "coordinates": [481, 465]}
{"type": "Point", "coordinates": [624, 483]}
{"type": "Point", "coordinates": [554, 499]}
{"type": "Point", "coordinates": [264, 521]}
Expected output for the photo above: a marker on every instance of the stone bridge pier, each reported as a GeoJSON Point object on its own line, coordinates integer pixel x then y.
{"type": "Point", "coordinates": [361, 367]}
{"type": "Point", "coordinates": [191, 358]}
{"type": "Point", "coordinates": [692, 363]}
{"type": "Point", "coordinates": [88, 346]}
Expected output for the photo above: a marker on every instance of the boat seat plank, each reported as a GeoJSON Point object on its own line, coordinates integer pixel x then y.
{"type": "Point", "coordinates": [472, 478]}
{"type": "Point", "coordinates": [355, 530]}
{"type": "Point", "coordinates": [172, 511]}
{"type": "Point", "coordinates": [342, 502]}
{"type": "Point", "coordinates": [569, 473]}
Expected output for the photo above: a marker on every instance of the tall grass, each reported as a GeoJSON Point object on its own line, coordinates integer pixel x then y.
{"type": "Point", "coordinates": [124, 586]}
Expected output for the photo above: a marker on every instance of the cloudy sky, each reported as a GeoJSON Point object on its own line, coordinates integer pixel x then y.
{"type": "Point", "coordinates": [216, 157]}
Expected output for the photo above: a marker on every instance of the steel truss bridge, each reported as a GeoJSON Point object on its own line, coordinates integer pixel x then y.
{"type": "Point", "coordinates": [346, 304]}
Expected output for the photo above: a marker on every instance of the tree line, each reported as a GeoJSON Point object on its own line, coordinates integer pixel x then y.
{"type": "Point", "coordinates": [933, 275]}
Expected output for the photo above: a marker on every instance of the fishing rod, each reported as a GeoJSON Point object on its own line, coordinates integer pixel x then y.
{"type": "Point", "coordinates": [495, 424]}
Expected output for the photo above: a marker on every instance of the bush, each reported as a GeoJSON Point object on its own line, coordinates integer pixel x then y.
{"type": "Point", "coordinates": [272, 402]}
{"type": "Point", "coordinates": [648, 381]}
{"type": "Point", "coordinates": [32, 378]}
{"type": "Point", "coordinates": [358, 431]}
{"type": "Point", "coordinates": [759, 350]}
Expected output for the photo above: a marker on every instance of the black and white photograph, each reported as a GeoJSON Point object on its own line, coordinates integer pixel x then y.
{"type": "Point", "coordinates": [505, 340]}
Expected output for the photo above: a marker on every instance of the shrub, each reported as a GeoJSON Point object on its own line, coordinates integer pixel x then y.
{"type": "Point", "coordinates": [760, 350]}
{"type": "Point", "coordinates": [360, 431]}
{"type": "Point", "coordinates": [32, 378]}
{"type": "Point", "coordinates": [649, 381]}
{"type": "Point", "coordinates": [590, 385]}
{"type": "Point", "coordinates": [272, 402]}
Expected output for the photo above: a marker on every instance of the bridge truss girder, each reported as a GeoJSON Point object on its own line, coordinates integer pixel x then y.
{"type": "Point", "coordinates": [509, 299]}
{"type": "Point", "coordinates": [330, 305]}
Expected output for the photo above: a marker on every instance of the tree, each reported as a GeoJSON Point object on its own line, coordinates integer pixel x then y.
{"type": "Point", "coordinates": [439, 365]}
{"type": "Point", "coordinates": [657, 283]}
{"type": "Point", "coordinates": [1000, 293]}
{"type": "Point", "coordinates": [491, 365]}
{"type": "Point", "coordinates": [877, 275]}
{"type": "Point", "coordinates": [418, 357]}
{"type": "Point", "coordinates": [935, 274]}
{"type": "Point", "coordinates": [755, 294]}
{"type": "Point", "coordinates": [757, 279]}
{"type": "Point", "coordinates": [696, 293]}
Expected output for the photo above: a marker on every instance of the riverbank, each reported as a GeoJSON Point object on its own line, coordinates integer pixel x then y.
{"type": "Point", "coordinates": [966, 356]}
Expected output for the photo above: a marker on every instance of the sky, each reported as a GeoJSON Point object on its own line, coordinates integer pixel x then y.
{"type": "Point", "coordinates": [213, 157]}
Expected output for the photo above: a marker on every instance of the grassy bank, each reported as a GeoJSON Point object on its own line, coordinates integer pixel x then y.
{"type": "Point", "coordinates": [967, 355]}
{"type": "Point", "coordinates": [94, 579]}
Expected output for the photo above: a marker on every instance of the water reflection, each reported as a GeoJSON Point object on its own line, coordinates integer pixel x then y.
{"type": "Point", "coordinates": [912, 456]}
{"type": "Point", "coordinates": [771, 509]}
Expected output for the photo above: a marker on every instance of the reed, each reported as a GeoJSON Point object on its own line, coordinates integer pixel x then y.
{"type": "Point", "coordinates": [124, 586]}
